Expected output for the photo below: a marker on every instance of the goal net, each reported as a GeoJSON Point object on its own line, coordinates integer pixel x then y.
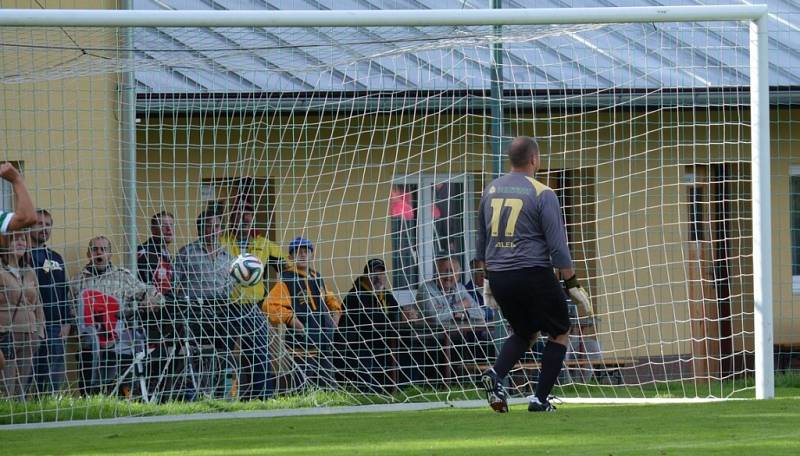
{"type": "Point", "coordinates": [351, 160]}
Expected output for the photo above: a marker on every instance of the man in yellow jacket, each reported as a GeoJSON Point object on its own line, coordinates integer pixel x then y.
{"type": "Point", "coordinates": [242, 237]}
{"type": "Point", "coordinates": [302, 302]}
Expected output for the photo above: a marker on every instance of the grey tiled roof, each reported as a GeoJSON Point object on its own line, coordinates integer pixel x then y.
{"type": "Point", "coordinates": [261, 60]}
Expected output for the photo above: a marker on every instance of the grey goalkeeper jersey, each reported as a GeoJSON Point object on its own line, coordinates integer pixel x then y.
{"type": "Point", "coordinates": [520, 225]}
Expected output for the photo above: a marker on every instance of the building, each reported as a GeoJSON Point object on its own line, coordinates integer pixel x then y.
{"type": "Point", "coordinates": [360, 156]}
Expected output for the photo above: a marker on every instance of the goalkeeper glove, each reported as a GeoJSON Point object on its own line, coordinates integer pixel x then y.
{"type": "Point", "coordinates": [578, 294]}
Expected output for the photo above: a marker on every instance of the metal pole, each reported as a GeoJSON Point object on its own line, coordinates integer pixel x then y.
{"type": "Point", "coordinates": [374, 18]}
{"type": "Point", "coordinates": [128, 148]}
{"type": "Point", "coordinates": [762, 210]}
{"type": "Point", "coordinates": [497, 97]}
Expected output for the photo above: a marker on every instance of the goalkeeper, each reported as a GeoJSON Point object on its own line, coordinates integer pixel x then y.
{"type": "Point", "coordinates": [521, 238]}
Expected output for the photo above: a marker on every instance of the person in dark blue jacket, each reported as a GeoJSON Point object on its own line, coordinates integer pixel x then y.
{"type": "Point", "coordinates": [475, 289]}
{"type": "Point", "coordinates": [311, 311]}
{"type": "Point", "coordinates": [49, 365]}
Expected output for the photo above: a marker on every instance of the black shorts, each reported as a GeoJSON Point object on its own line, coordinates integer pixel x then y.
{"type": "Point", "coordinates": [531, 300]}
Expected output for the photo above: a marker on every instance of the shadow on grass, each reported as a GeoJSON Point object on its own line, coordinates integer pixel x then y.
{"type": "Point", "coordinates": [68, 408]}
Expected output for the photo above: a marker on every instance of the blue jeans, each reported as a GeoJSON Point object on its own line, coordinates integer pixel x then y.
{"type": "Point", "coordinates": [249, 326]}
{"type": "Point", "coordinates": [49, 363]}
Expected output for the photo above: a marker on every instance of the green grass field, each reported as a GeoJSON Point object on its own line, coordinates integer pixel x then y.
{"type": "Point", "coordinates": [729, 428]}
{"type": "Point", "coordinates": [70, 408]}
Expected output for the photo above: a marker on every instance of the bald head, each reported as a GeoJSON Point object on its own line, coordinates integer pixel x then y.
{"type": "Point", "coordinates": [522, 152]}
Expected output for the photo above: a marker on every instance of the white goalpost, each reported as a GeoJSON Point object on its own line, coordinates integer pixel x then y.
{"type": "Point", "coordinates": [363, 138]}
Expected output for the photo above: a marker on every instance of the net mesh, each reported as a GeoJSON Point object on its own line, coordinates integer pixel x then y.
{"type": "Point", "coordinates": [375, 144]}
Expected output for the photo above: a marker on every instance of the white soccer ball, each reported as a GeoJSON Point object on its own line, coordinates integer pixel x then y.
{"type": "Point", "coordinates": [247, 270]}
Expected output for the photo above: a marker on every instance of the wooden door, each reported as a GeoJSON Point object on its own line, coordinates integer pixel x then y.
{"type": "Point", "coordinates": [709, 263]}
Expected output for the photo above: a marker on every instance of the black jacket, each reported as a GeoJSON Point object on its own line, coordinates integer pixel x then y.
{"type": "Point", "coordinates": [155, 266]}
{"type": "Point", "coordinates": [370, 319]}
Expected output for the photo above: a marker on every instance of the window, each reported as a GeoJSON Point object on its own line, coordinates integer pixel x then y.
{"type": "Point", "coordinates": [794, 216]}
{"type": "Point", "coordinates": [6, 192]}
{"type": "Point", "coordinates": [6, 196]}
{"type": "Point", "coordinates": [428, 215]}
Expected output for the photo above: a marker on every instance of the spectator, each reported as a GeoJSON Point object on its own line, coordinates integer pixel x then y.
{"type": "Point", "coordinates": [101, 274]}
{"type": "Point", "coordinates": [154, 258]}
{"type": "Point", "coordinates": [475, 289]}
{"type": "Point", "coordinates": [242, 237]}
{"type": "Point", "coordinates": [369, 325]}
{"type": "Point", "coordinates": [24, 215]}
{"type": "Point", "coordinates": [101, 282]}
{"type": "Point", "coordinates": [445, 303]}
{"type": "Point", "coordinates": [455, 319]}
{"type": "Point", "coordinates": [301, 301]}
{"type": "Point", "coordinates": [201, 267]}
{"type": "Point", "coordinates": [202, 276]}
{"type": "Point", "coordinates": [51, 273]}
{"type": "Point", "coordinates": [21, 314]}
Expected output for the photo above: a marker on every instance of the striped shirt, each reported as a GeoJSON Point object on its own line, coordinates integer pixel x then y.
{"type": "Point", "coordinates": [5, 220]}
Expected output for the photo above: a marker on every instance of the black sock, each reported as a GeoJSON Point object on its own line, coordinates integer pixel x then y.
{"type": "Point", "coordinates": [552, 358]}
{"type": "Point", "coordinates": [513, 349]}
